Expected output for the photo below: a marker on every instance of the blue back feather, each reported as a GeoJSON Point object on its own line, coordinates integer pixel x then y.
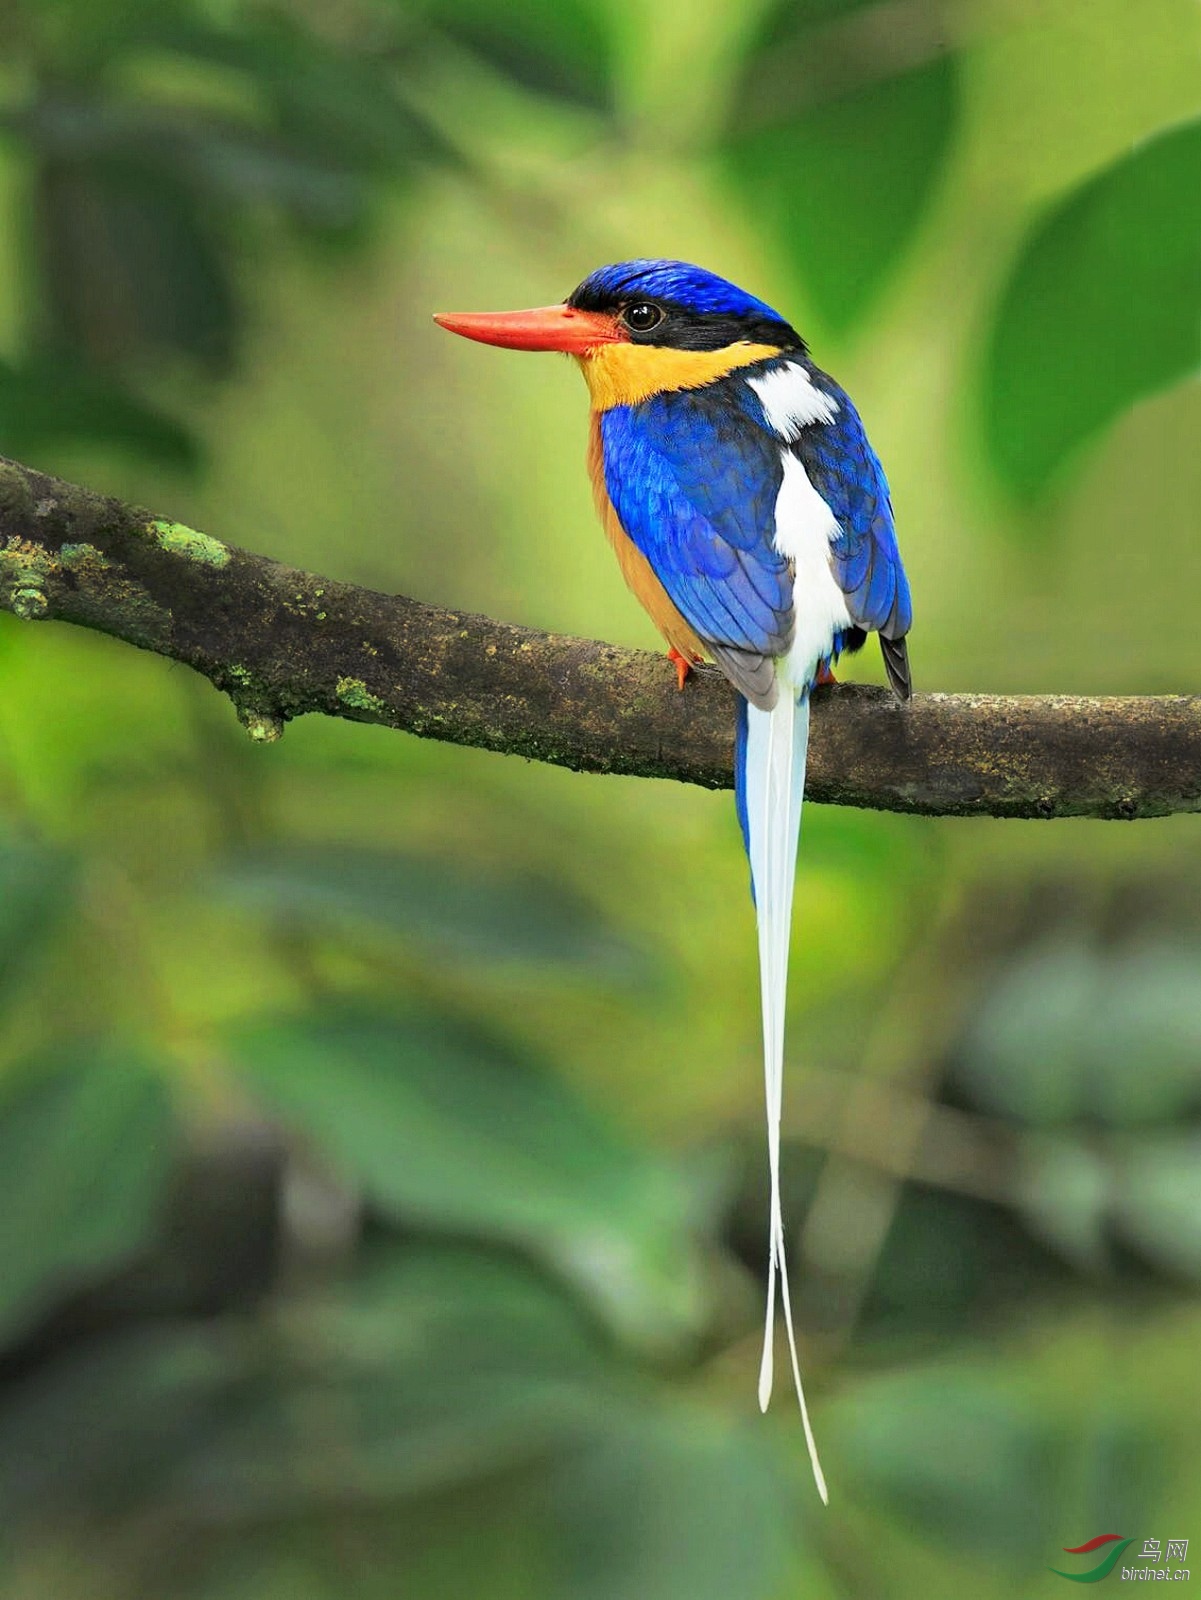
{"type": "Point", "coordinates": [846, 472]}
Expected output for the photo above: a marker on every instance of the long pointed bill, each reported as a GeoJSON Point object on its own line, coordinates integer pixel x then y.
{"type": "Point", "coordinates": [547, 328]}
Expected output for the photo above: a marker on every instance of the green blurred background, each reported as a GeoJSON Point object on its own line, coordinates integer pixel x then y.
{"type": "Point", "coordinates": [382, 1182]}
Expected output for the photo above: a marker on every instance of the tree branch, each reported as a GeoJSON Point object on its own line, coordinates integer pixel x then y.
{"type": "Point", "coordinates": [281, 642]}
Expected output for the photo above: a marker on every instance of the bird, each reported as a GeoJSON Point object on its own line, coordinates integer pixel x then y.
{"type": "Point", "coordinates": [753, 520]}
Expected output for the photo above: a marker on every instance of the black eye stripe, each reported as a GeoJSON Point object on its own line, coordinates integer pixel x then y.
{"type": "Point", "coordinates": [681, 327]}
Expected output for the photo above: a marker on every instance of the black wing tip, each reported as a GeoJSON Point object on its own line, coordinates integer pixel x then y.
{"type": "Point", "coordinates": [896, 665]}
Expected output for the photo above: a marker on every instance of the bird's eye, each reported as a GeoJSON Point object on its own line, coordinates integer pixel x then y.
{"type": "Point", "coordinates": [642, 316]}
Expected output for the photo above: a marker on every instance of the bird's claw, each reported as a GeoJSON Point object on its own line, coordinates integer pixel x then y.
{"type": "Point", "coordinates": [683, 665]}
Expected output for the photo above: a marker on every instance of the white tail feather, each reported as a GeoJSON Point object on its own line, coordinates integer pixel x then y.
{"type": "Point", "coordinates": [776, 747]}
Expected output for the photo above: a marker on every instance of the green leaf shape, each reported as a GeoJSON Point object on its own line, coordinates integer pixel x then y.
{"type": "Point", "coordinates": [457, 914]}
{"type": "Point", "coordinates": [564, 50]}
{"type": "Point", "coordinates": [1101, 310]}
{"type": "Point", "coordinates": [36, 888]}
{"type": "Point", "coordinates": [844, 185]}
{"type": "Point", "coordinates": [52, 400]}
{"type": "Point", "coordinates": [452, 1132]}
{"type": "Point", "coordinates": [87, 1138]}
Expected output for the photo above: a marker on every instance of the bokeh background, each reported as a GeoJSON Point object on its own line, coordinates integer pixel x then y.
{"type": "Point", "coordinates": [382, 1182]}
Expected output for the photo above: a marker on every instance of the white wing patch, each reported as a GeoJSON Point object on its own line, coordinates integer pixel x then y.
{"type": "Point", "coordinates": [791, 400]}
{"type": "Point", "coordinates": [805, 526]}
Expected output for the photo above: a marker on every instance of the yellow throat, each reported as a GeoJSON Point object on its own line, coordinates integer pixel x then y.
{"type": "Point", "coordinates": [624, 374]}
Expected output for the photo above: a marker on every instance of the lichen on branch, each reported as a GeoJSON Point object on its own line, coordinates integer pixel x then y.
{"type": "Point", "coordinates": [282, 643]}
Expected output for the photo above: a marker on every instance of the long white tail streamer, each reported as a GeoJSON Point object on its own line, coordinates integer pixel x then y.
{"type": "Point", "coordinates": [776, 748]}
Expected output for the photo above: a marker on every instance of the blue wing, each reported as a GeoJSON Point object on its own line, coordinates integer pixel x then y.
{"type": "Point", "coordinates": [846, 472]}
{"type": "Point", "coordinates": [694, 476]}
{"type": "Point", "coordinates": [694, 485]}
{"type": "Point", "coordinates": [694, 479]}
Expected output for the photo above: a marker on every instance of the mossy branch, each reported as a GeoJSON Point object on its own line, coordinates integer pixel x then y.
{"type": "Point", "coordinates": [280, 643]}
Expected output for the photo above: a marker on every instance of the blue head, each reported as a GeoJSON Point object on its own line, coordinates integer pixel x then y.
{"type": "Point", "coordinates": [674, 305]}
{"type": "Point", "coordinates": [641, 328]}
{"type": "Point", "coordinates": [693, 327]}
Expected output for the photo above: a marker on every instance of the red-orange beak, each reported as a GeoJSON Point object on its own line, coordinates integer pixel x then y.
{"type": "Point", "coordinates": [547, 328]}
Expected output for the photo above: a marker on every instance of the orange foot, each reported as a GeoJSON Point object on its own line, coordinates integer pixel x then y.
{"type": "Point", "coordinates": [682, 665]}
{"type": "Point", "coordinates": [824, 675]}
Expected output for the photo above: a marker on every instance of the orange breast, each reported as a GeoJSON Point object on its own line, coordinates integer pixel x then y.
{"type": "Point", "coordinates": [636, 569]}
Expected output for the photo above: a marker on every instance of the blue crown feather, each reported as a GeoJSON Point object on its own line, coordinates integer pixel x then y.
{"type": "Point", "coordinates": [676, 281]}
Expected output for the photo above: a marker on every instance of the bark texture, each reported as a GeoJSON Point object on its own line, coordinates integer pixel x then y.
{"type": "Point", "coordinates": [281, 642]}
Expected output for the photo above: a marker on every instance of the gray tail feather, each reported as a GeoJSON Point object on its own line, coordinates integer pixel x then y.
{"type": "Point", "coordinates": [896, 665]}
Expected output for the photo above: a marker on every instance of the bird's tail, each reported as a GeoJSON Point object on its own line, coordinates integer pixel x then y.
{"type": "Point", "coordinates": [770, 770]}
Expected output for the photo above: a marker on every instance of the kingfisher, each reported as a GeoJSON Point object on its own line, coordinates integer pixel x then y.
{"type": "Point", "coordinates": [752, 519]}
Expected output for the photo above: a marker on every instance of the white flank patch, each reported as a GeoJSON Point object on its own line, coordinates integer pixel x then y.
{"type": "Point", "coordinates": [805, 526]}
{"type": "Point", "coordinates": [791, 401]}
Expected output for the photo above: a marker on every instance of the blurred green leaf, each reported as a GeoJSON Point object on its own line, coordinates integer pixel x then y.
{"type": "Point", "coordinates": [326, 103]}
{"type": "Point", "coordinates": [676, 1503]}
{"type": "Point", "coordinates": [50, 400]}
{"type": "Point", "coordinates": [183, 167]}
{"type": "Point", "coordinates": [139, 198]}
{"type": "Point", "coordinates": [955, 1458]}
{"type": "Point", "coordinates": [784, 19]}
{"type": "Point", "coordinates": [1102, 308]}
{"type": "Point", "coordinates": [1071, 1033]}
{"type": "Point", "coordinates": [842, 182]}
{"type": "Point", "coordinates": [452, 1132]}
{"type": "Point", "coordinates": [428, 1370]}
{"type": "Point", "coordinates": [564, 50]}
{"type": "Point", "coordinates": [429, 1367]}
{"type": "Point", "coordinates": [282, 1564]}
{"type": "Point", "coordinates": [797, 42]}
{"type": "Point", "coordinates": [99, 1429]}
{"type": "Point", "coordinates": [1029, 1045]}
{"type": "Point", "coordinates": [81, 37]}
{"type": "Point", "coordinates": [1063, 1191]}
{"type": "Point", "coordinates": [1157, 1201]}
{"type": "Point", "coordinates": [1120, 1466]}
{"type": "Point", "coordinates": [129, 261]}
{"type": "Point", "coordinates": [466, 916]}
{"type": "Point", "coordinates": [943, 1259]}
{"type": "Point", "coordinates": [439, 1364]}
{"type": "Point", "coordinates": [36, 887]}
{"type": "Point", "coordinates": [1147, 1043]}
{"type": "Point", "coordinates": [86, 1145]}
